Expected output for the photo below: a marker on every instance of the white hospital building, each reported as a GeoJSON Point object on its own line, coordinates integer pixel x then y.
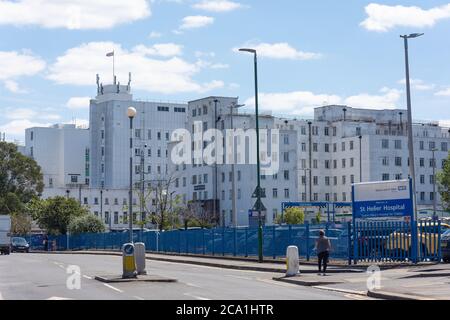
{"type": "Point", "coordinates": [318, 158]}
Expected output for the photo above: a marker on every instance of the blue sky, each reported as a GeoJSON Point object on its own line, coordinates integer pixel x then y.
{"type": "Point", "coordinates": [311, 53]}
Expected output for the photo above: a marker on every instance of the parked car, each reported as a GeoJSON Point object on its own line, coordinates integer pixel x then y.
{"type": "Point", "coordinates": [19, 245]}
{"type": "Point", "coordinates": [445, 246]}
{"type": "Point", "coordinates": [427, 235]}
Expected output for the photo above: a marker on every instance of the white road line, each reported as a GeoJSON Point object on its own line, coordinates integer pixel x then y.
{"type": "Point", "coordinates": [139, 298]}
{"type": "Point", "coordinates": [87, 277]}
{"type": "Point", "coordinates": [238, 277]}
{"type": "Point", "coordinates": [356, 297]}
{"type": "Point", "coordinates": [58, 298]}
{"type": "Point", "coordinates": [113, 288]}
{"type": "Point", "coordinates": [192, 285]}
{"type": "Point", "coordinates": [1, 297]}
{"type": "Point", "coordinates": [195, 297]}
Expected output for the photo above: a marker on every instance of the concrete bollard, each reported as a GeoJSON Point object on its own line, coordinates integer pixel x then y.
{"type": "Point", "coordinates": [292, 261]}
{"type": "Point", "coordinates": [140, 258]}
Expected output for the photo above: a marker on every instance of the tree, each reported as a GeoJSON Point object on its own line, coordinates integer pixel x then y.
{"type": "Point", "coordinates": [55, 214]}
{"type": "Point", "coordinates": [20, 223]}
{"type": "Point", "coordinates": [86, 224]}
{"type": "Point", "coordinates": [318, 218]}
{"type": "Point", "coordinates": [292, 216]}
{"type": "Point", "coordinates": [443, 180]}
{"type": "Point", "coordinates": [20, 179]}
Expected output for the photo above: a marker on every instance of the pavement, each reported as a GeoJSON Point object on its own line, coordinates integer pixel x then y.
{"type": "Point", "coordinates": [405, 282]}
{"type": "Point", "coordinates": [52, 277]}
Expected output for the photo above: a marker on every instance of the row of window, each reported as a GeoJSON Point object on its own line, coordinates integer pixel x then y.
{"type": "Point", "coordinates": [175, 109]}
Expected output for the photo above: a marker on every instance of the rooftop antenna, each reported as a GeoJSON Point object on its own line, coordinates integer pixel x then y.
{"type": "Point", "coordinates": [129, 81]}
{"type": "Point", "coordinates": [98, 84]}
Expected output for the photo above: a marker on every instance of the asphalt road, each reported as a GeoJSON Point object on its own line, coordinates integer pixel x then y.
{"type": "Point", "coordinates": [44, 277]}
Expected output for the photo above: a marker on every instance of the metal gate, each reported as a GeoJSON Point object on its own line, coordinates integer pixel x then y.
{"type": "Point", "coordinates": [388, 241]}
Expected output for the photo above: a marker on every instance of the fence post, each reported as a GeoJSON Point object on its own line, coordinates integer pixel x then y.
{"type": "Point", "coordinates": [307, 240]}
{"type": "Point", "coordinates": [213, 241]}
{"type": "Point", "coordinates": [246, 242]}
{"type": "Point", "coordinates": [439, 242]}
{"type": "Point", "coordinates": [290, 235]}
{"type": "Point", "coordinates": [274, 243]}
{"type": "Point", "coordinates": [223, 241]}
{"type": "Point", "coordinates": [355, 242]}
{"type": "Point", "coordinates": [235, 241]}
{"type": "Point", "coordinates": [179, 241]}
{"type": "Point", "coordinates": [414, 239]}
{"type": "Point", "coordinates": [349, 243]}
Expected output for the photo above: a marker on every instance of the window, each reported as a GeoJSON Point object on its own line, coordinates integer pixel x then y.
{"type": "Point", "coordinates": [398, 176]}
{"type": "Point", "coordinates": [327, 147]}
{"type": "Point", "coordinates": [205, 109]}
{"type": "Point", "coordinates": [315, 147]}
{"type": "Point", "coordinates": [137, 133]}
{"type": "Point", "coordinates": [432, 163]}
{"type": "Point", "coordinates": [385, 161]}
{"type": "Point", "coordinates": [286, 139]}
{"type": "Point", "coordinates": [74, 179]}
{"type": "Point", "coordinates": [343, 163]}
{"type": "Point", "coordinates": [286, 174]}
{"type": "Point", "coordinates": [398, 144]}
{"type": "Point", "coordinates": [303, 146]}
{"type": "Point", "coordinates": [352, 162]}
{"type": "Point", "coordinates": [315, 180]}
{"type": "Point", "coordinates": [422, 196]}
{"type": "Point", "coordinates": [286, 157]}
{"type": "Point", "coordinates": [422, 162]}
{"type": "Point", "coordinates": [422, 145]}
{"type": "Point", "coordinates": [327, 164]}
{"type": "Point", "coordinates": [398, 161]}
{"type": "Point", "coordinates": [116, 217]}
{"type": "Point", "coordinates": [180, 110]}
{"type": "Point", "coordinates": [163, 109]}
{"type": "Point", "coordinates": [444, 146]}
{"type": "Point", "coordinates": [385, 144]}
{"type": "Point", "coordinates": [286, 193]}
{"type": "Point", "coordinates": [343, 146]}
{"type": "Point", "coordinates": [85, 200]}
{"type": "Point", "coordinates": [431, 179]}
{"type": "Point", "coordinates": [327, 181]}
{"type": "Point", "coordinates": [194, 112]}
{"type": "Point", "coordinates": [327, 131]}
{"type": "Point", "coordinates": [275, 193]}
{"type": "Point", "coordinates": [167, 136]}
{"type": "Point", "coordinates": [158, 135]}
{"type": "Point", "coordinates": [351, 145]}
{"type": "Point", "coordinates": [31, 135]}
{"type": "Point", "coordinates": [432, 145]}
{"type": "Point", "coordinates": [385, 177]}
{"type": "Point", "coordinates": [422, 179]}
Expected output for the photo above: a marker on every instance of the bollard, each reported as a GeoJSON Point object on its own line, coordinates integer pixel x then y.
{"type": "Point", "coordinates": [129, 261]}
{"type": "Point", "coordinates": [292, 261]}
{"type": "Point", "coordinates": [139, 248]}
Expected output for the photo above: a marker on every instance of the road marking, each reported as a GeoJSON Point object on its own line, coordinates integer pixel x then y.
{"type": "Point", "coordinates": [1, 297]}
{"type": "Point", "coordinates": [195, 297]}
{"type": "Point", "coordinates": [278, 283]}
{"type": "Point", "coordinates": [348, 291]}
{"type": "Point", "coordinates": [113, 288]}
{"type": "Point", "coordinates": [58, 298]}
{"type": "Point", "coordinates": [238, 277]}
{"type": "Point", "coordinates": [139, 298]}
{"type": "Point", "coordinates": [87, 277]}
{"type": "Point", "coordinates": [192, 285]}
{"type": "Point", "coordinates": [356, 297]}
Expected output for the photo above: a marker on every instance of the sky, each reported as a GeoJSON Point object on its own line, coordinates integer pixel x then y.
{"type": "Point", "coordinates": [311, 53]}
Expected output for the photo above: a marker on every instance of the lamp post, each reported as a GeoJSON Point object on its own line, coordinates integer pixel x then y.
{"type": "Point", "coordinates": [434, 183]}
{"type": "Point", "coordinates": [259, 205]}
{"type": "Point", "coordinates": [412, 170]}
{"type": "Point", "coordinates": [360, 159]}
{"type": "Point", "coordinates": [131, 113]}
{"type": "Point", "coordinates": [232, 107]}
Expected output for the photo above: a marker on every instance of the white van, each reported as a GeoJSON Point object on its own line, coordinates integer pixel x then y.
{"type": "Point", "coordinates": [5, 234]}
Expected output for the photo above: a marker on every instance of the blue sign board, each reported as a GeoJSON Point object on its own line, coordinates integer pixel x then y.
{"type": "Point", "coordinates": [383, 200]}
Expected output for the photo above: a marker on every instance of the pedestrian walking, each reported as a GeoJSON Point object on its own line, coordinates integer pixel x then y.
{"type": "Point", "coordinates": [323, 247]}
{"type": "Point", "coordinates": [45, 242]}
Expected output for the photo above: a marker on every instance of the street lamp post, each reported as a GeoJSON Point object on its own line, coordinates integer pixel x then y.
{"type": "Point", "coordinates": [360, 158]}
{"type": "Point", "coordinates": [232, 107]}
{"type": "Point", "coordinates": [412, 170]}
{"type": "Point", "coordinates": [259, 204]}
{"type": "Point", "coordinates": [434, 183]}
{"type": "Point", "coordinates": [131, 113]}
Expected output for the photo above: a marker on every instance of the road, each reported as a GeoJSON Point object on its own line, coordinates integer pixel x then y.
{"type": "Point", "coordinates": [44, 277]}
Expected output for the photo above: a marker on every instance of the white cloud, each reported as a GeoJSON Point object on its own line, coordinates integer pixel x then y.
{"type": "Point", "coordinates": [194, 22]}
{"type": "Point", "coordinates": [28, 114]}
{"type": "Point", "coordinates": [154, 35]}
{"type": "Point", "coordinates": [302, 103]}
{"type": "Point", "coordinates": [14, 64]}
{"type": "Point", "coordinates": [418, 84]}
{"type": "Point", "coordinates": [79, 65]}
{"type": "Point", "coordinates": [73, 14]}
{"type": "Point", "coordinates": [280, 51]}
{"type": "Point", "coordinates": [217, 5]}
{"type": "Point", "coordinates": [444, 92]}
{"type": "Point", "coordinates": [160, 50]}
{"type": "Point", "coordinates": [444, 123]}
{"type": "Point", "coordinates": [78, 103]}
{"type": "Point", "coordinates": [295, 103]}
{"type": "Point", "coordinates": [387, 99]}
{"type": "Point", "coordinates": [382, 18]}
{"type": "Point", "coordinates": [13, 87]}
{"type": "Point", "coordinates": [17, 127]}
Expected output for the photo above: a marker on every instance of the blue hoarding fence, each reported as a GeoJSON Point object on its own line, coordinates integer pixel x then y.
{"type": "Point", "coordinates": [238, 242]}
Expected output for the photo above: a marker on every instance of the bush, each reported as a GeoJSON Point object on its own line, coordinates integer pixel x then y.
{"type": "Point", "coordinates": [86, 224]}
{"type": "Point", "coordinates": [291, 216]}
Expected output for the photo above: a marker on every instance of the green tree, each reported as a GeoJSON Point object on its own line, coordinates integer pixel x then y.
{"type": "Point", "coordinates": [86, 224]}
{"type": "Point", "coordinates": [20, 223]}
{"type": "Point", "coordinates": [293, 216]}
{"type": "Point", "coordinates": [443, 180]}
{"type": "Point", "coordinates": [55, 214]}
{"type": "Point", "coordinates": [20, 179]}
